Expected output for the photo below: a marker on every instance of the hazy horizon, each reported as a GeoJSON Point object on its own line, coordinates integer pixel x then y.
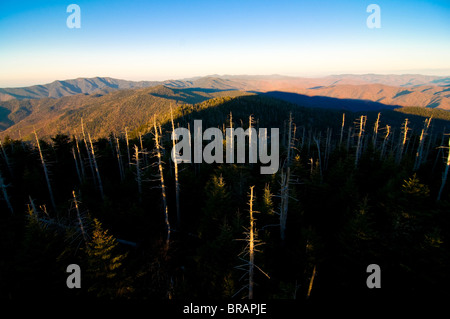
{"type": "Point", "coordinates": [443, 73]}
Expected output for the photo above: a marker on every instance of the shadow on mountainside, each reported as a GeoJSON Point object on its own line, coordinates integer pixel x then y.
{"type": "Point", "coordinates": [352, 105]}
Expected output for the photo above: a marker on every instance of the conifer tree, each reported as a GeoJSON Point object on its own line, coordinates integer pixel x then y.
{"type": "Point", "coordinates": [104, 264]}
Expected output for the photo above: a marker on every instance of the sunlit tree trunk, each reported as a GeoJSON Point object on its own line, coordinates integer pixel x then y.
{"type": "Point", "coordinates": [361, 125]}
{"type": "Point", "coordinates": [52, 199]}
{"type": "Point", "coordinates": [251, 249]}
{"type": "Point", "coordinates": [445, 174]}
{"type": "Point", "coordinates": [342, 129]}
{"type": "Point", "coordinates": [177, 183]}
{"type": "Point", "coordinates": [91, 162]}
{"type": "Point", "coordinates": [76, 165]}
{"type": "Point", "coordinates": [128, 146]}
{"type": "Point", "coordinates": [375, 131]}
{"type": "Point", "coordinates": [385, 141]}
{"type": "Point", "coordinates": [163, 187]}
{"type": "Point", "coordinates": [100, 185]}
{"type": "Point", "coordinates": [80, 220]}
{"type": "Point", "coordinates": [403, 139]}
{"type": "Point", "coordinates": [419, 153]}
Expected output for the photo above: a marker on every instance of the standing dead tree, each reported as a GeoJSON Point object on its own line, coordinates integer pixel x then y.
{"type": "Point", "coordinates": [128, 146]}
{"type": "Point", "coordinates": [5, 194]}
{"type": "Point", "coordinates": [100, 185]}
{"type": "Point", "coordinates": [250, 250]}
{"type": "Point", "coordinates": [5, 156]}
{"type": "Point", "coordinates": [445, 174]}
{"type": "Point", "coordinates": [175, 161]}
{"type": "Point", "coordinates": [83, 174]}
{"type": "Point", "coordinates": [163, 187]}
{"type": "Point", "coordinates": [137, 162]}
{"type": "Point", "coordinates": [119, 160]}
{"type": "Point", "coordinates": [419, 154]}
{"type": "Point", "coordinates": [385, 141]}
{"type": "Point", "coordinates": [361, 124]}
{"type": "Point", "coordinates": [375, 131]}
{"type": "Point", "coordinates": [342, 129]}
{"type": "Point", "coordinates": [44, 166]}
{"type": "Point", "coordinates": [284, 184]}
{"type": "Point", "coordinates": [80, 219]}
{"type": "Point", "coordinates": [403, 139]}
{"type": "Point", "coordinates": [76, 165]}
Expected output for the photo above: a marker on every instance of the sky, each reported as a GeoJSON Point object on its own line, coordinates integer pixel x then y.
{"type": "Point", "coordinates": [160, 40]}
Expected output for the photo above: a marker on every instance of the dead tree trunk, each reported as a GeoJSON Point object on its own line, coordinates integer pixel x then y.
{"type": "Point", "coordinates": [177, 183]}
{"type": "Point", "coordinates": [52, 199]}
{"type": "Point", "coordinates": [80, 220]}
{"type": "Point", "coordinates": [91, 164]}
{"type": "Point", "coordinates": [5, 194]}
{"type": "Point", "coordinates": [375, 132]}
{"type": "Point", "coordinates": [6, 159]}
{"type": "Point", "coordinates": [385, 141]}
{"type": "Point", "coordinates": [80, 158]}
{"type": "Point", "coordinates": [128, 147]}
{"type": "Point", "coordinates": [163, 187]}
{"type": "Point", "coordinates": [119, 160]}
{"type": "Point", "coordinates": [403, 139]}
{"type": "Point", "coordinates": [100, 185]}
{"type": "Point", "coordinates": [445, 174]}
{"type": "Point", "coordinates": [311, 282]}
{"type": "Point", "coordinates": [419, 153]}
{"type": "Point", "coordinates": [76, 165]}
{"type": "Point", "coordinates": [285, 179]}
{"type": "Point", "coordinates": [138, 171]}
{"type": "Point", "coordinates": [251, 243]}
{"type": "Point", "coordinates": [342, 129]}
{"type": "Point", "coordinates": [361, 125]}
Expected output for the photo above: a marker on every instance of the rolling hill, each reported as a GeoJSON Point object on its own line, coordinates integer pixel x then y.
{"type": "Point", "coordinates": [396, 90]}
{"type": "Point", "coordinates": [102, 113]}
{"type": "Point", "coordinates": [109, 105]}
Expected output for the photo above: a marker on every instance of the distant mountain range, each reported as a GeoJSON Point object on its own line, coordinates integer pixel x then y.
{"type": "Point", "coordinates": [387, 87]}
{"type": "Point", "coordinates": [109, 105]}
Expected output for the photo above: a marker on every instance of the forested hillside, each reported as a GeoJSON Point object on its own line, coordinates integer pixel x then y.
{"type": "Point", "coordinates": [103, 112]}
{"type": "Point", "coordinates": [352, 189]}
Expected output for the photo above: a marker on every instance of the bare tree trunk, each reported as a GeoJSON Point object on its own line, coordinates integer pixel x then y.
{"type": "Point", "coordinates": [52, 199]}
{"type": "Point", "coordinates": [317, 141]}
{"type": "Point", "coordinates": [100, 185]}
{"type": "Point", "coordinates": [128, 146]}
{"type": "Point", "coordinates": [76, 165]}
{"type": "Point", "coordinates": [251, 265]}
{"type": "Point", "coordinates": [285, 179]}
{"type": "Point", "coordinates": [91, 165]}
{"type": "Point", "coordinates": [311, 282]}
{"type": "Point", "coordinates": [362, 125]}
{"type": "Point", "coordinates": [177, 184]}
{"type": "Point", "coordinates": [342, 129]}
{"type": "Point", "coordinates": [419, 153]}
{"type": "Point", "coordinates": [445, 174]}
{"type": "Point", "coordinates": [119, 160]}
{"type": "Point", "coordinates": [5, 194]}
{"type": "Point", "coordinates": [80, 221]}
{"type": "Point", "coordinates": [405, 130]}
{"type": "Point", "coordinates": [80, 158]}
{"type": "Point", "coordinates": [375, 131]}
{"type": "Point", "coordinates": [6, 158]}
{"type": "Point", "coordinates": [385, 140]}
{"type": "Point", "coordinates": [163, 187]}
{"type": "Point", "coordinates": [138, 172]}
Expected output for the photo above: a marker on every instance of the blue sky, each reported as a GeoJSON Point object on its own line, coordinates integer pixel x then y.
{"type": "Point", "coordinates": [157, 40]}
